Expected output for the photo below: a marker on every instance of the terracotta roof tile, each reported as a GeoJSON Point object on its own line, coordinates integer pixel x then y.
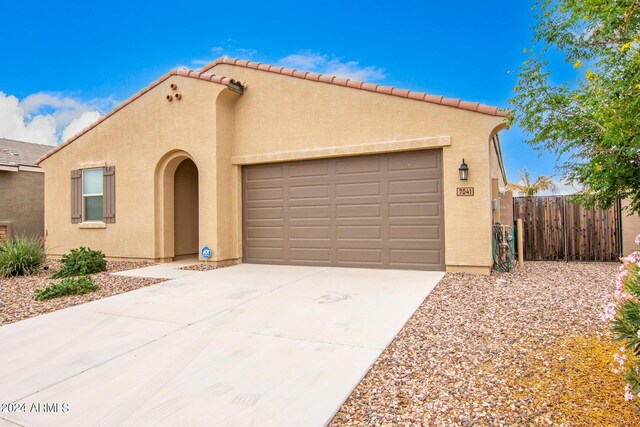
{"type": "Point", "coordinates": [389, 90]}
{"type": "Point", "coordinates": [200, 75]}
{"type": "Point", "coordinates": [326, 78]}
{"type": "Point", "coordinates": [313, 77]}
{"type": "Point", "coordinates": [385, 89]}
{"type": "Point", "coordinates": [417, 95]}
{"type": "Point", "coordinates": [340, 82]}
{"type": "Point", "coordinates": [451, 102]}
{"type": "Point", "coordinates": [400, 92]}
{"type": "Point", "coordinates": [369, 86]}
{"type": "Point", "coordinates": [300, 74]}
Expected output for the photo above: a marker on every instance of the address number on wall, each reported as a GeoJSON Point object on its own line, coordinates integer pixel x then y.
{"type": "Point", "coordinates": [464, 191]}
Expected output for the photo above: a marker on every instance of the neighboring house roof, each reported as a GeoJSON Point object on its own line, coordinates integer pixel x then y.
{"type": "Point", "coordinates": [207, 77]}
{"type": "Point", "coordinates": [16, 154]}
{"type": "Point", "coordinates": [372, 87]}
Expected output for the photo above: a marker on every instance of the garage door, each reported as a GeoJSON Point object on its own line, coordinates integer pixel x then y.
{"type": "Point", "coordinates": [378, 211]}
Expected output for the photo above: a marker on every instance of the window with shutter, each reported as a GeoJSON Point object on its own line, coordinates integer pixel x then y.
{"type": "Point", "coordinates": [76, 196]}
{"type": "Point", "coordinates": [109, 191]}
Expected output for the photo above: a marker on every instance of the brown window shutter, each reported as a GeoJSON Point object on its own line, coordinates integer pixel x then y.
{"type": "Point", "coordinates": [109, 195]}
{"type": "Point", "coordinates": [76, 196]}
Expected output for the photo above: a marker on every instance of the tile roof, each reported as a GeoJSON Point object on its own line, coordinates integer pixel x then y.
{"type": "Point", "coordinates": [372, 87]}
{"type": "Point", "coordinates": [200, 75]}
{"type": "Point", "coordinates": [18, 153]}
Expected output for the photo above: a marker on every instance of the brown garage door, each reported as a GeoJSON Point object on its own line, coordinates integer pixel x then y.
{"type": "Point", "coordinates": [380, 211]}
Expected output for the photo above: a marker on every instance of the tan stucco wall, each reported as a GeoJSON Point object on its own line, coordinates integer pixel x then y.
{"type": "Point", "coordinates": [630, 229]}
{"type": "Point", "coordinates": [185, 198]}
{"type": "Point", "coordinates": [135, 140]}
{"type": "Point", "coordinates": [278, 114]}
{"type": "Point", "coordinates": [22, 202]}
{"type": "Point", "coordinates": [277, 118]}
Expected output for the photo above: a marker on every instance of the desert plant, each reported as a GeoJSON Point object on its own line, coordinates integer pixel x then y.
{"type": "Point", "coordinates": [623, 313]}
{"type": "Point", "coordinates": [68, 286]}
{"type": "Point", "coordinates": [529, 187]}
{"type": "Point", "coordinates": [79, 262]}
{"type": "Point", "coordinates": [21, 256]}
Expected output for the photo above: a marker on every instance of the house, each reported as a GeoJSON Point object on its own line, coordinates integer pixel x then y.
{"type": "Point", "coordinates": [21, 189]}
{"type": "Point", "coordinates": [266, 164]}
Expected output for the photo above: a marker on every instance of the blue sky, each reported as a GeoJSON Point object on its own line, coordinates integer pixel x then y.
{"type": "Point", "coordinates": [64, 62]}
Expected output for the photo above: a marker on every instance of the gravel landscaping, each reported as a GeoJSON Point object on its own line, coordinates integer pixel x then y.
{"type": "Point", "coordinates": [202, 266]}
{"type": "Point", "coordinates": [16, 293]}
{"type": "Point", "coordinates": [520, 348]}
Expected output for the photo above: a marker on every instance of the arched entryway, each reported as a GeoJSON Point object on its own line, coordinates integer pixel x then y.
{"type": "Point", "coordinates": [177, 206]}
{"type": "Point", "coordinates": [185, 208]}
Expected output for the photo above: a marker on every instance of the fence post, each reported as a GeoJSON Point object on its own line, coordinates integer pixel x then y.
{"type": "Point", "coordinates": [520, 228]}
{"type": "Point", "coordinates": [564, 227]}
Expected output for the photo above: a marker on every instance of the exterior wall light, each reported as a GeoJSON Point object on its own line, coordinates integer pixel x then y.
{"type": "Point", "coordinates": [464, 171]}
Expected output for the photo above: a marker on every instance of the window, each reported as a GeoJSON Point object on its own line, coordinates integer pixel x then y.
{"type": "Point", "coordinates": [92, 192]}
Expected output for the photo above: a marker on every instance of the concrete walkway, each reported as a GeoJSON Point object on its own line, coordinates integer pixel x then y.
{"type": "Point", "coordinates": [244, 345]}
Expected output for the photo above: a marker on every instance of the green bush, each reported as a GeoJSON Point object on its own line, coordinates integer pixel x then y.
{"type": "Point", "coordinates": [79, 262]}
{"type": "Point", "coordinates": [21, 256]}
{"type": "Point", "coordinates": [68, 286]}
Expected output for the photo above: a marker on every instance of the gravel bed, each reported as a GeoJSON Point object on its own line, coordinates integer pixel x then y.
{"type": "Point", "coordinates": [16, 293]}
{"type": "Point", "coordinates": [455, 361]}
{"type": "Point", "coordinates": [201, 266]}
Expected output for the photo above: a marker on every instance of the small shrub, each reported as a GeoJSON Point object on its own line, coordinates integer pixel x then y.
{"type": "Point", "coordinates": [68, 286]}
{"type": "Point", "coordinates": [21, 256]}
{"type": "Point", "coordinates": [79, 262]}
{"type": "Point", "coordinates": [623, 313]}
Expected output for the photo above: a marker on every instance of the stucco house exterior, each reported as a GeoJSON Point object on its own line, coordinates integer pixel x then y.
{"type": "Point", "coordinates": [267, 164]}
{"type": "Point", "coordinates": [21, 189]}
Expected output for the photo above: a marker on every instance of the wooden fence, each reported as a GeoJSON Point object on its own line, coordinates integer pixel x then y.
{"type": "Point", "coordinates": [556, 229]}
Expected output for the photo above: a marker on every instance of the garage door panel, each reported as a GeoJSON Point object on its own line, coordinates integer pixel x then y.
{"type": "Point", "coordinates": [346, 232]}
{"type": "Point", "coordinates": [265, 213]}
{"type": "Point", "coordinates": [310, 232]}
{"type": "Point", "coordinates": [423, 186]}
{"type": "Point", "coordinates": [357, 166]}
{"type": "Point", "coordinates": [373, 255]}
{"type": "Point", "coordinates": [309, 254]}
{"type": "Point", "coordinates": [310, 191]}
{"type": "Point", "coordinates": [358, 189]}
{"type": "Point", "coordinates": [263, 172]}
{"type": "Point", "coordinates": [411, 209]}
{"type": "Point", "coordinates": [265, 253]}
{"type": "Point", "coordinates": [414, 232]}
{"type": "Point", "coordinates": [382, 211]}
{"type": "Point", "coordinates": [308, 169]}
{"type": "Point", "coordinates": [359, 211]}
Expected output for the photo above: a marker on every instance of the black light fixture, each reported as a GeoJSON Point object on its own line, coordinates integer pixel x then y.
{"type": "Point", "coordinates": [464, 171]}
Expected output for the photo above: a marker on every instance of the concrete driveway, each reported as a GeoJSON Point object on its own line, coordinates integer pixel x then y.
{"type": "Point", "coordinates": [244, 345]}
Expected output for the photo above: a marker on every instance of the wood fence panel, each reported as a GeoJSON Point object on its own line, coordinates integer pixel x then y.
{"type": "Point", "coordinates": [556, 229]}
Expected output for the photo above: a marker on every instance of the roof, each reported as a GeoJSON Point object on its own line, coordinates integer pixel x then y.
{"type": "Point", "coordinates": [372, 87]}
{"type": "Point", "coordinates": [18, 153]}
{"type": "Point", "coordinates": [207, 77]}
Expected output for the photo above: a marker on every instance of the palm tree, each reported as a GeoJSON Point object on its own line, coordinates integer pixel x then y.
{"type": "Point", "coordinates": [529, 188]}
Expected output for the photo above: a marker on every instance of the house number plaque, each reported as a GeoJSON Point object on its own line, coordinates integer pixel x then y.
{"type": "Point", "coordinates": [464, 191]}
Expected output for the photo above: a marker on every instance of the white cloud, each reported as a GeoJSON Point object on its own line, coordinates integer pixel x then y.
{"type": "Point", "coordinates": [47, 118]}
{"type": "Point", "coordinates": [306, 60]}
{"type": "Point", "coordinates": [80, 123]}
{"type": "Point", "coordinates": [328, 64]}
{"type": "Point", "coordinates": [229, 50]}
